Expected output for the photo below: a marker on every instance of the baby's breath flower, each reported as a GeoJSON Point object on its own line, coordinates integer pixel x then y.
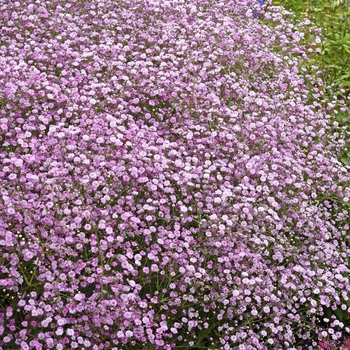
{"type": "Point", "coordinates": [167, 178]}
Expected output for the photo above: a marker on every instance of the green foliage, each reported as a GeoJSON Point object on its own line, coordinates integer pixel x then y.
{"type": "Point", "coordinates": [330, 52]}
{"type": "Point", "coordinates": [333, 17]}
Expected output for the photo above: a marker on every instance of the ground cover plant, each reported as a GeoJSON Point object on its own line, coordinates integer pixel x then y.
{"type": "Point", "coordinates": [332, 17]}
{"type": "Point", "coordinates": [331, 56]}
{"type": "Point", "coordinates": [170, 179]}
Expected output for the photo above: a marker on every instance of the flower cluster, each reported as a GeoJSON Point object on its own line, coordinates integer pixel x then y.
{"type": "Point", "coordinates": [332, 345]}
{"type": "Point", "coordinates": [167, 179]}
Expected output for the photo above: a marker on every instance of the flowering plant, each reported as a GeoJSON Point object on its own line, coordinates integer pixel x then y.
{"type": "Point", "coordinates": [169, 179]}
{"type": "Point", "coordinates": [332, 345]}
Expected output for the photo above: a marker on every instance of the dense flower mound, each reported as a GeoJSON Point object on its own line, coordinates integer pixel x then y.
{"type": "Point", "coordinates": [167, 179]}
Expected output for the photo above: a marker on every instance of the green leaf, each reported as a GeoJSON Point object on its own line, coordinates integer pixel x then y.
{"type": "Point", "coordinates": [345, 76]}
{"type": "Point", "coordinates": [328, 312]}
{"type": "Point", "coordinates": [340, 314]}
